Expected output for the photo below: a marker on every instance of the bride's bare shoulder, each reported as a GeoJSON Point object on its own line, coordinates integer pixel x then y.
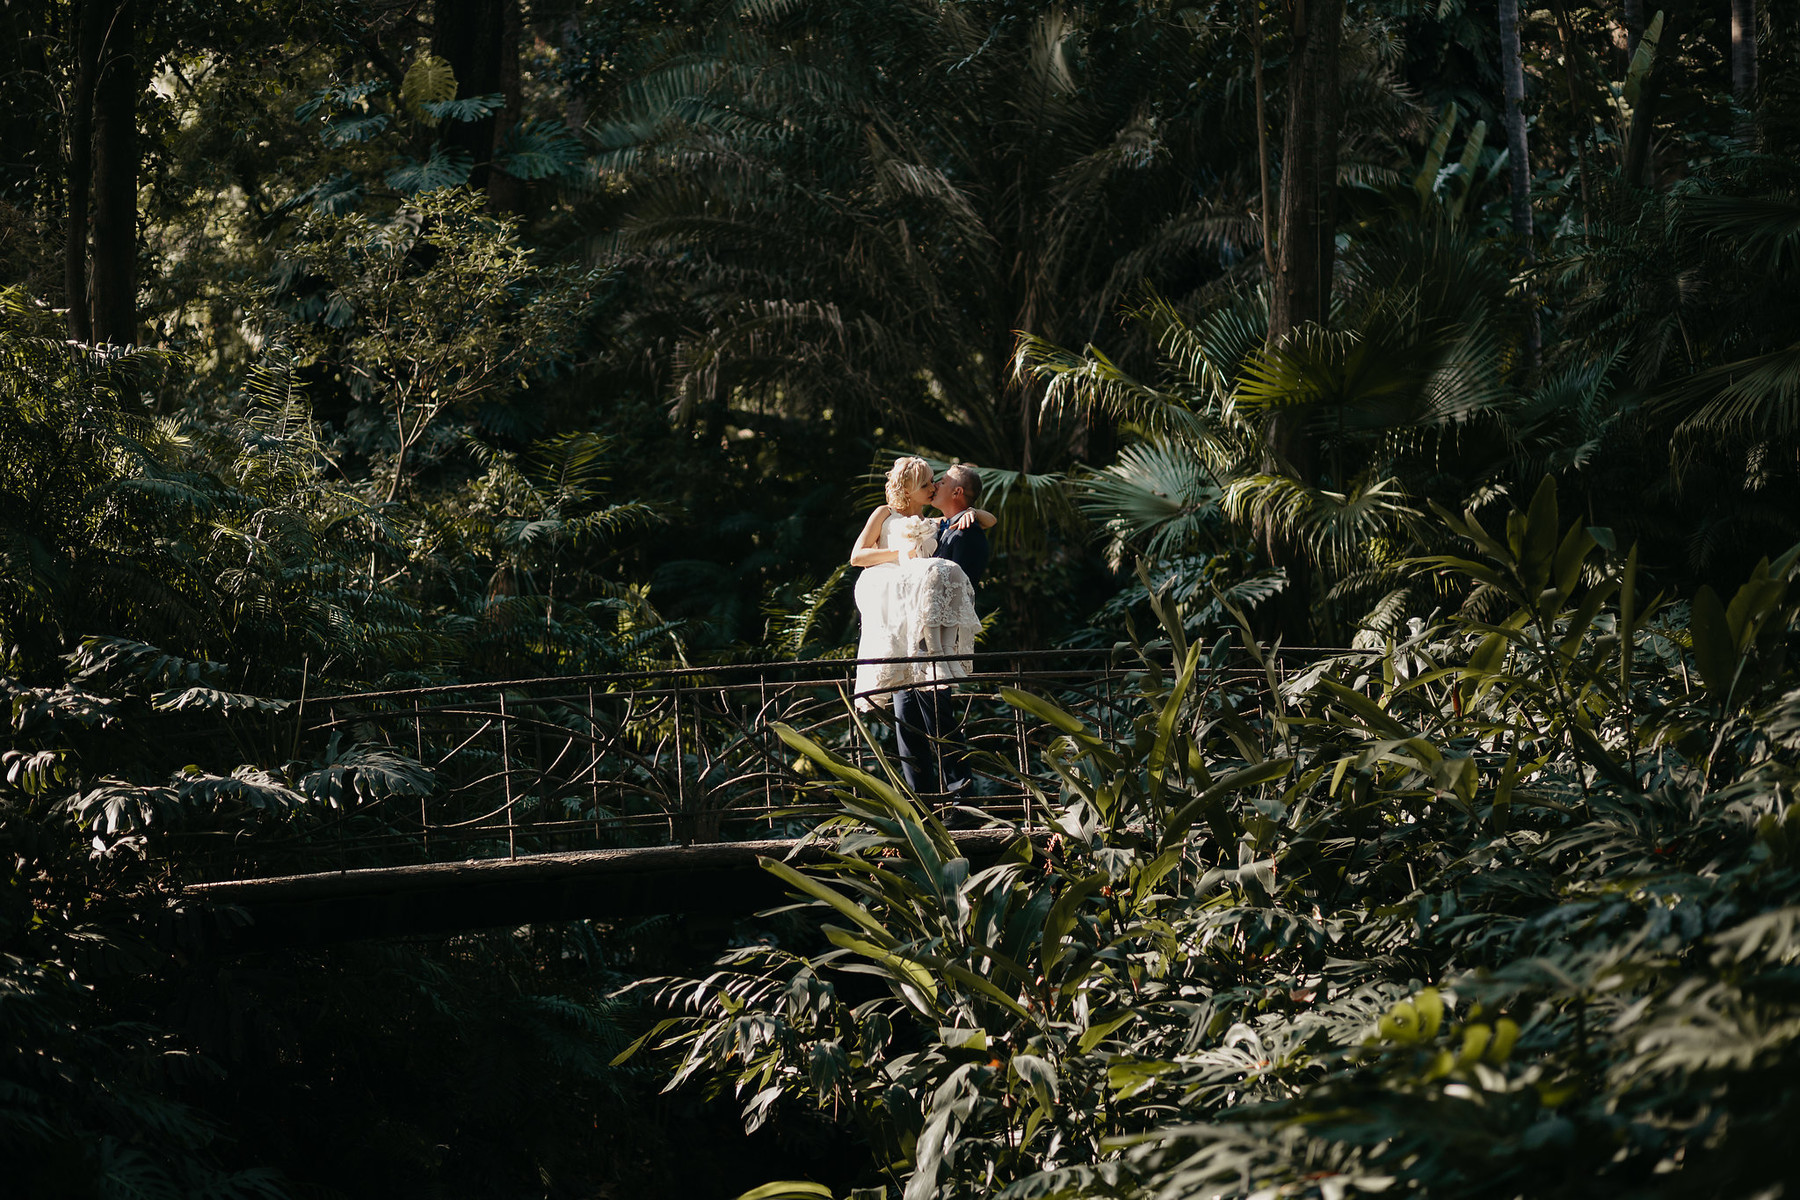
{"type": "Point", "coordinates": [872, 526]}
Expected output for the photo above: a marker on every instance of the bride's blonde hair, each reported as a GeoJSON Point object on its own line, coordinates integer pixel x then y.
{"type": "Point", "coordinates": [907, 474]}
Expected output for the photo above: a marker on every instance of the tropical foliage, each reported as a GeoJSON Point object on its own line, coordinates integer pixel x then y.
{"type": "Point", "coordinates": [1501, 909]}
{"type": "Point", "coordinates": [352, 346]}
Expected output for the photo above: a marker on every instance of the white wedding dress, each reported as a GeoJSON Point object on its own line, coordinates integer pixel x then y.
{"type": "Point", "coordinates": [921, 606]}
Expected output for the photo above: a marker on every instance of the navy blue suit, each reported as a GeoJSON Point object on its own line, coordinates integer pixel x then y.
{"type": "Point", "coordinates": [927, 720]}
{"type": "Point", "coordinates": [967, 548]}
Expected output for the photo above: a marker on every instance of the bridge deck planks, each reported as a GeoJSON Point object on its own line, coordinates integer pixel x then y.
{"type": "Point", "coordinates": [718, 879]}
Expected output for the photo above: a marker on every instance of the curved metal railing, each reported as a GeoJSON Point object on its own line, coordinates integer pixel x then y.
{"type": "Point", "coordinates": [534, 766]}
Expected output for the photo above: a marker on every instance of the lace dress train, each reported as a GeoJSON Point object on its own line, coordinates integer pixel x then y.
{"type": "Point", "coordinates": [919, 607]}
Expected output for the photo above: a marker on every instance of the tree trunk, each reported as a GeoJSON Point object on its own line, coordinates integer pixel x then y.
{"type": "Point", "coordinates": [506, 193]}
{"type": "Point", "coordinates": [1518, 147]}
{"type": "Point", "coordinates": [1743, 64]}
{"type": "Point", "coordinates": [1638, 158]}
{"type": "Point", "coordinates": [1518, 153]}
{"type": "Point", "coordinates": [1634, 27]}
{"type": "Point", "coordinates": [90, 20]}
{"type": "Point", "coordinates": [1262, 140]}
{"type": "Point", "coordinates": [115, 252]}
{"type": "Point", "coordinates": [1307, 231]}
{"type": "Point", "coordinates": [470, 34]}
{"type": "Point", "coordinates": [1305, 253]}
{"type": "Point", "coordinates": [1578, 113]}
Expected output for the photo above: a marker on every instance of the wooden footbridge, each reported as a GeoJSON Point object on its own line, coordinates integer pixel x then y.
{"type": "Point", "coordinates": [540, 799]}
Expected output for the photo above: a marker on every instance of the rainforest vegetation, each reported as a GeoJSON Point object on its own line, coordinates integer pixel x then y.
{"type": "Point", "coordinates": [358, 344]}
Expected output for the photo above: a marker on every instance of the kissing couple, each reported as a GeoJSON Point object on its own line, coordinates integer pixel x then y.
{"type": "Point", "coordinates": [916, 599]}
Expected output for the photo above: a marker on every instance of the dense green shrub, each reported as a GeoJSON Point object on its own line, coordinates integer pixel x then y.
{"type": "Point", "coordinates": [1505, 909]}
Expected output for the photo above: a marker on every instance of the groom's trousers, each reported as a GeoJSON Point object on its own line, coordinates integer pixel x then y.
{"type": "Point", "coordinates": [928, 727]}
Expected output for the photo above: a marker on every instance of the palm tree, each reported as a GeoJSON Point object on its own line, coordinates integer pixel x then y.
{"type": "Point", "coordinates": [857, 206]}
{"type": "Point", "coordinates": [848, 211]}
{"type": "Point", "coordinates": [1404, 401]}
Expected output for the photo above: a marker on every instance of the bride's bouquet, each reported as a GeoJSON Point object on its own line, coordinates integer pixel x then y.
{"type": "Point", "coordinates": [917, 538]}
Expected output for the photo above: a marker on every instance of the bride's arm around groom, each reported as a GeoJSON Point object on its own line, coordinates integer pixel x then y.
{"type": "Point", "coordinates": [963, 542]}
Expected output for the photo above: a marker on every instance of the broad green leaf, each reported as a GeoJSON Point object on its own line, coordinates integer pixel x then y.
{"type": "Point", "coordinates": [656, 1030]}
{"type": "Point", "coordinates": [1429, 1003]}
{"type": "Point", "coordinates": [469, 108]}
{"type": "Point", "coordinates": [1045, 711]}
{"type": "Point", "coordinates": [1129, 1076]}
{"type": "Point", "coordinates": [907, 969]}
{"type": "Point", "coordinates": [1590, 751]}
{"type": "Point", "coordinates": [1752, 604]}
{"type": "Point", "coordinates": [1062, 917]}
{"type": "Point", "coordinates": [1466, 169]}
{"type": "Point", "coordinates": [1153, 871]}
{"type": "Point", "coordinates": [1642, 60]}
{"type": "Point", "coordinates": [1488, 656]}
{"type": "Point", "coordinates": [1565, 573]}
{"type": "Point", "coordinates": [830, 895]}
{"type": "Point", "coordinates": [1095, 1034]}
{"type": "Point", "coordinates": [1210, 803]}
{"type": "Point", "coordinates": [986, 987]}
{"type": "Point", "coordinates": [1583, 619]}
{"type": "Point", "coordinates": [539, 150]}
{"type": "Point", "coordinates": [1090, 746]}
{"type": "Point", "coordinates": [788, 1189]}
{"type": "Point", "coordinates": [442, 168]}
{"type": "Point", "coordinates": [1371, 713]}
{"type": "Point", "coordinates": [1425, 182]}
{"type": "Point", "coordinates": [429, 80]}
{"type": "Point", "coordinates": [1534, 537]}
{"type": "Point", "coordinates": [1037, 1073]}
{"type": "Point", "coordinates": [1166, 721]}
{"type": "Point", "coordinates": [1715, 654]}
{"type": "Point", "coordinates": [855, 776]}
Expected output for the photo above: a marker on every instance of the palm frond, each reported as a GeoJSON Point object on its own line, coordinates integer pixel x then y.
{"type": "Point", "coordinates": [1335, 528]}
{"type": "Point", "coordinates": [1756, 397]}
{"type": "Point", "coordinates": [1092, 380]}
{"type": "Point", "coordinates": [1158, 498]}
{"type": "Point", "coordinates": [1763, 231]}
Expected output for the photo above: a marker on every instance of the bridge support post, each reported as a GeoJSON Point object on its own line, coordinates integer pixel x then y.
{"type": "Point", "coordinates": [1019, 738]}
{"type": "Point", "coordinates": [419, 750]}
{"type": "Point", "coordinates": [686, 822]}
{"type": "Point", "coordinates": [768, 749]}
{"type": "Point", "coordinates": [512, 837]}
{"type": "Point", "coordinates": [594, 763]}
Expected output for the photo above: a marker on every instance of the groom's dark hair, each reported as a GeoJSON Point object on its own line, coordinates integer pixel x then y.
{"type": "Point", "coordinates": [963, 476]}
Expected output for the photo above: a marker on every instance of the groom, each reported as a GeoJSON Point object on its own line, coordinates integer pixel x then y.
{"type": "Point", "coordinates": [928, 720]}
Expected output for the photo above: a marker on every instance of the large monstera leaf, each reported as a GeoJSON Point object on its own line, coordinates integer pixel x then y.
{"type": "Point", "coordinates": [364, 773]}
{"type": "Point", "coordinates": [247, 787]}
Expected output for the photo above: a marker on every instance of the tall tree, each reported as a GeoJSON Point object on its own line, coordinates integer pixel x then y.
{"type": "Point", "coordinates": [1743, 61]}
{"type": "Point", "coordinates": [101, 234]}
{"type": "Point", "coordinates": [1664, 43]}
{"type": "Point", "coordinates": [1518, 147]}
{"type": "Point", "coordinates": [117, 156]}
{"type": "Point", "coordinates": [89, 21]}
{"type": "Point", "coordinates": [1305, 250]}
{"type": "Point", "coordinates": [1307, 236]}
{"type": "Point", "coordinates": [1263, 213]}
{"type": "Point", "coordinates": [1634, 26]}
{"type": "Point", "coordinates": [480, 41]}
{"type": "Point", "coordinates": [1518, 152]}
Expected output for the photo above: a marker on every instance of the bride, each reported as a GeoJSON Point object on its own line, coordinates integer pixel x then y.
{"type": "Point", "coordinates": [910, 603]}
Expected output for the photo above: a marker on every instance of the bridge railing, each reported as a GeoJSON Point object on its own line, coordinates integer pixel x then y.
{"type": "Point", "coordinates": [538, 766]}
